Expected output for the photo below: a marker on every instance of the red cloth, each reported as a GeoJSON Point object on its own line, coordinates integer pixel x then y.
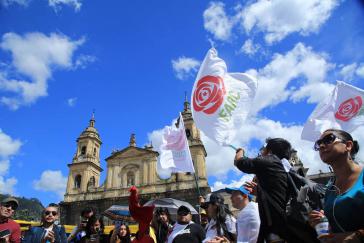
{"type": "Point", "coordinates": [14, 228]}
{"type": "Point", "coordinates": [142, 214]}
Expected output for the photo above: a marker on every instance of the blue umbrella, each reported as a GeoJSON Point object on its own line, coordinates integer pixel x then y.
{"type": "Point", "coordinates": [118, 212]}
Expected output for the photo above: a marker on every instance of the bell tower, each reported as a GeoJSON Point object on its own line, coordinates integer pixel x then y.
{"type": "Point", "coordinates": [198, 151]}
{"type": "Point", "coordinates": [84, 171]}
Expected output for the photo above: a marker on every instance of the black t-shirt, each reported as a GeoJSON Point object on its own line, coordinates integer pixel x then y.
{"type": "Point", "coordinates": [193, 233]}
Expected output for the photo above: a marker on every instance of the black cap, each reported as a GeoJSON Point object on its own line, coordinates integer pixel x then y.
{"type": "Point", "coordinates": [213, 198]}
{"type": "Point", "coordinates": [183, 211]}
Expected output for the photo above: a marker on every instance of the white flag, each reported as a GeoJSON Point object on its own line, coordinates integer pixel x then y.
{"type": "Point", "coordinates": [221, 101]}
{"type": "Point", "coordinates": [343, 109]}
{"type": "Point", "coordinates": [175, 155]}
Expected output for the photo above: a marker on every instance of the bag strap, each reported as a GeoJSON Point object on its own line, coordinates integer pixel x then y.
{"type": "Point", "coordinates": [295, 191]}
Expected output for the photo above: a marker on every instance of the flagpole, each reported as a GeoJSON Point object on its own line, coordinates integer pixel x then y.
{"type": "Point", "coordinates": [198, 188]}
{"type": "Point", "coordinates": [230, 146]}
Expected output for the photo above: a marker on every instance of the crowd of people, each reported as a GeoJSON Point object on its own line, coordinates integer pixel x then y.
{"type": "Point", "coordinates": [279, 205]}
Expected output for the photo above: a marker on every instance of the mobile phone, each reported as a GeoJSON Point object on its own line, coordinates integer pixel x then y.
{"type": "Point", "coordinates": [4, 233]}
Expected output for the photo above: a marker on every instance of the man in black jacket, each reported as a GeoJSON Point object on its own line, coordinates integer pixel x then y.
{"type": "Point", "coordinates": [273, 189]}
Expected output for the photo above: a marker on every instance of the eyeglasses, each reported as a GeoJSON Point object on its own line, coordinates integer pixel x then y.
{"type": "Point", "coordinates": [54, 213]}
{"type": "Point", "coordinates": [9, 205]}
{"type": "Point", "coordinates": [328, 139]}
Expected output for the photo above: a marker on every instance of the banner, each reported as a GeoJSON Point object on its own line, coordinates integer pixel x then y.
{"type": "Point", "coordinates": [221, 101]}
{"type": "Point", "coordinates": [175, 155]}
{"type": "Point", "coordinates": [343, 109]}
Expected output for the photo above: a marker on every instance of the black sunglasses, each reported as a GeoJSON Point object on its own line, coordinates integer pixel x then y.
{"type": "Point", "coordinates": [10, 205]}
{"type": "Point", "coordinates": [328, 139]}
{"type": "Point", "coordinates": [54, 213]}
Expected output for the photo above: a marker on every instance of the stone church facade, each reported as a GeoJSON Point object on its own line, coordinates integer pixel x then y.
{"type": "Point", "coordinates": [132, 165]}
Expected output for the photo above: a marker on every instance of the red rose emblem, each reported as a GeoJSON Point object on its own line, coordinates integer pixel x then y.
{"type": "Point", "coordinates": [349, 108]}
{"type": "Point", "coordinates": [209, 94]}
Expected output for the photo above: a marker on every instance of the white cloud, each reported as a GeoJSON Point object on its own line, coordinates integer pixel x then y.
{"type": "Point", "coordinates": [8, 147]}
{"type": "Point", "coordinates": [220, 185]}
{"type": "Point", "coordinates": [72, 101]}
{"type": "Point", "coordinates": [4, 167]}
{"type": "Point", "coordinates": [249, 47]}
{"type": "Point", "coordinates": [35, 56]}
{"type": "Point", "coordinates": [185, 67]}
{"type": "Point", "coordinates": [347, 72]}
{"type": "Point", "coordinates": [277, 19]}
{"type": "Point", "coordinates": [315, 92]}
{"type": "Point", "coordinates": [57, 4]}
{"type": "Point", "coordinates": [300, 62]}
{"type": "Point", "coordinates": [51, 181]}
{"type": "Point", "coordinates": [217, 22]}
{"type": "Point", "coordinates": [360, 71]}
{"type": "Point", "coordinates": [83, 61]}
{"type": "Point", "coordinates": [7, 3]}
{"type": "Point", "coordinates": [7, 185]}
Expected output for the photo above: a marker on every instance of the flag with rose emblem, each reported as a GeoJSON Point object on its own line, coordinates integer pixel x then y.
{"type": "Point", "coordinates": [343, 109]}
{"type": "Point", "coordinates": [175, 155]}
{"type": "Point", "coordinates": [221, 101]}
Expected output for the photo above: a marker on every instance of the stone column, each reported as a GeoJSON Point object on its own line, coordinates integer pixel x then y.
{"type": "Point", "coordinates": [145, 172]}
{"type": "Point", "coordinates": [70, 182]}
{"type": "Point", "coordinates": [109, 176]}
{"type": "Point", "coordinates": [152, 171]}
{"type": "Point", "coordinates": [115, 176]}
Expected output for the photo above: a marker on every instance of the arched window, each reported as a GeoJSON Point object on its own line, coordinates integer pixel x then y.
{"type": "Point", "coordinates": [95, 151]}
{"type": "Point", "coordinates": [188, 133]}
{"type": "Point", "coordinates": [130, 179]}
{"type": "Point", "coordinates": [83, 150]}
{"type": "Point", "coordinates": [78, 181]}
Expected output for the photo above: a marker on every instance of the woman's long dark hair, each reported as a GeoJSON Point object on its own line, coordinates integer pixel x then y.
{"type": "Point", "coordinates": [222, 213]}
{"type": "Point", "coordinates": [126, 238]}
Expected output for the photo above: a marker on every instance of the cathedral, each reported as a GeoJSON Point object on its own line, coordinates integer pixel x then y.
{"type": "Point", "coordinates": [135, 165]}
{"type": "Point", "coordinates": [132, 165]}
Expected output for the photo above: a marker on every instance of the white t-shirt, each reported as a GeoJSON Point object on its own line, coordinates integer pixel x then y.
{"type": "Point", "coordinates": [211, 231]}
{"type": "Point", "coordinates": [248, 223]}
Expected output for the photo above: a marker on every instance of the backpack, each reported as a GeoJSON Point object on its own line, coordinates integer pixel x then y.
{"type": "Point", "coordinates": [304, 196]}
{"type": "Point", "coordinates": [308, 197]}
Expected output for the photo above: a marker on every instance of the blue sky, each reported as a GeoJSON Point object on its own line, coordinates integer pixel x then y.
{"type": "Point", "coordinates": [132, 61]}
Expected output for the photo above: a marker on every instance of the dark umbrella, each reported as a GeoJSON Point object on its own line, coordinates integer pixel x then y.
{"type": "Point", "coordinates": [170, 203]}
{"type": "Point", "coordinates": [117, 212]}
